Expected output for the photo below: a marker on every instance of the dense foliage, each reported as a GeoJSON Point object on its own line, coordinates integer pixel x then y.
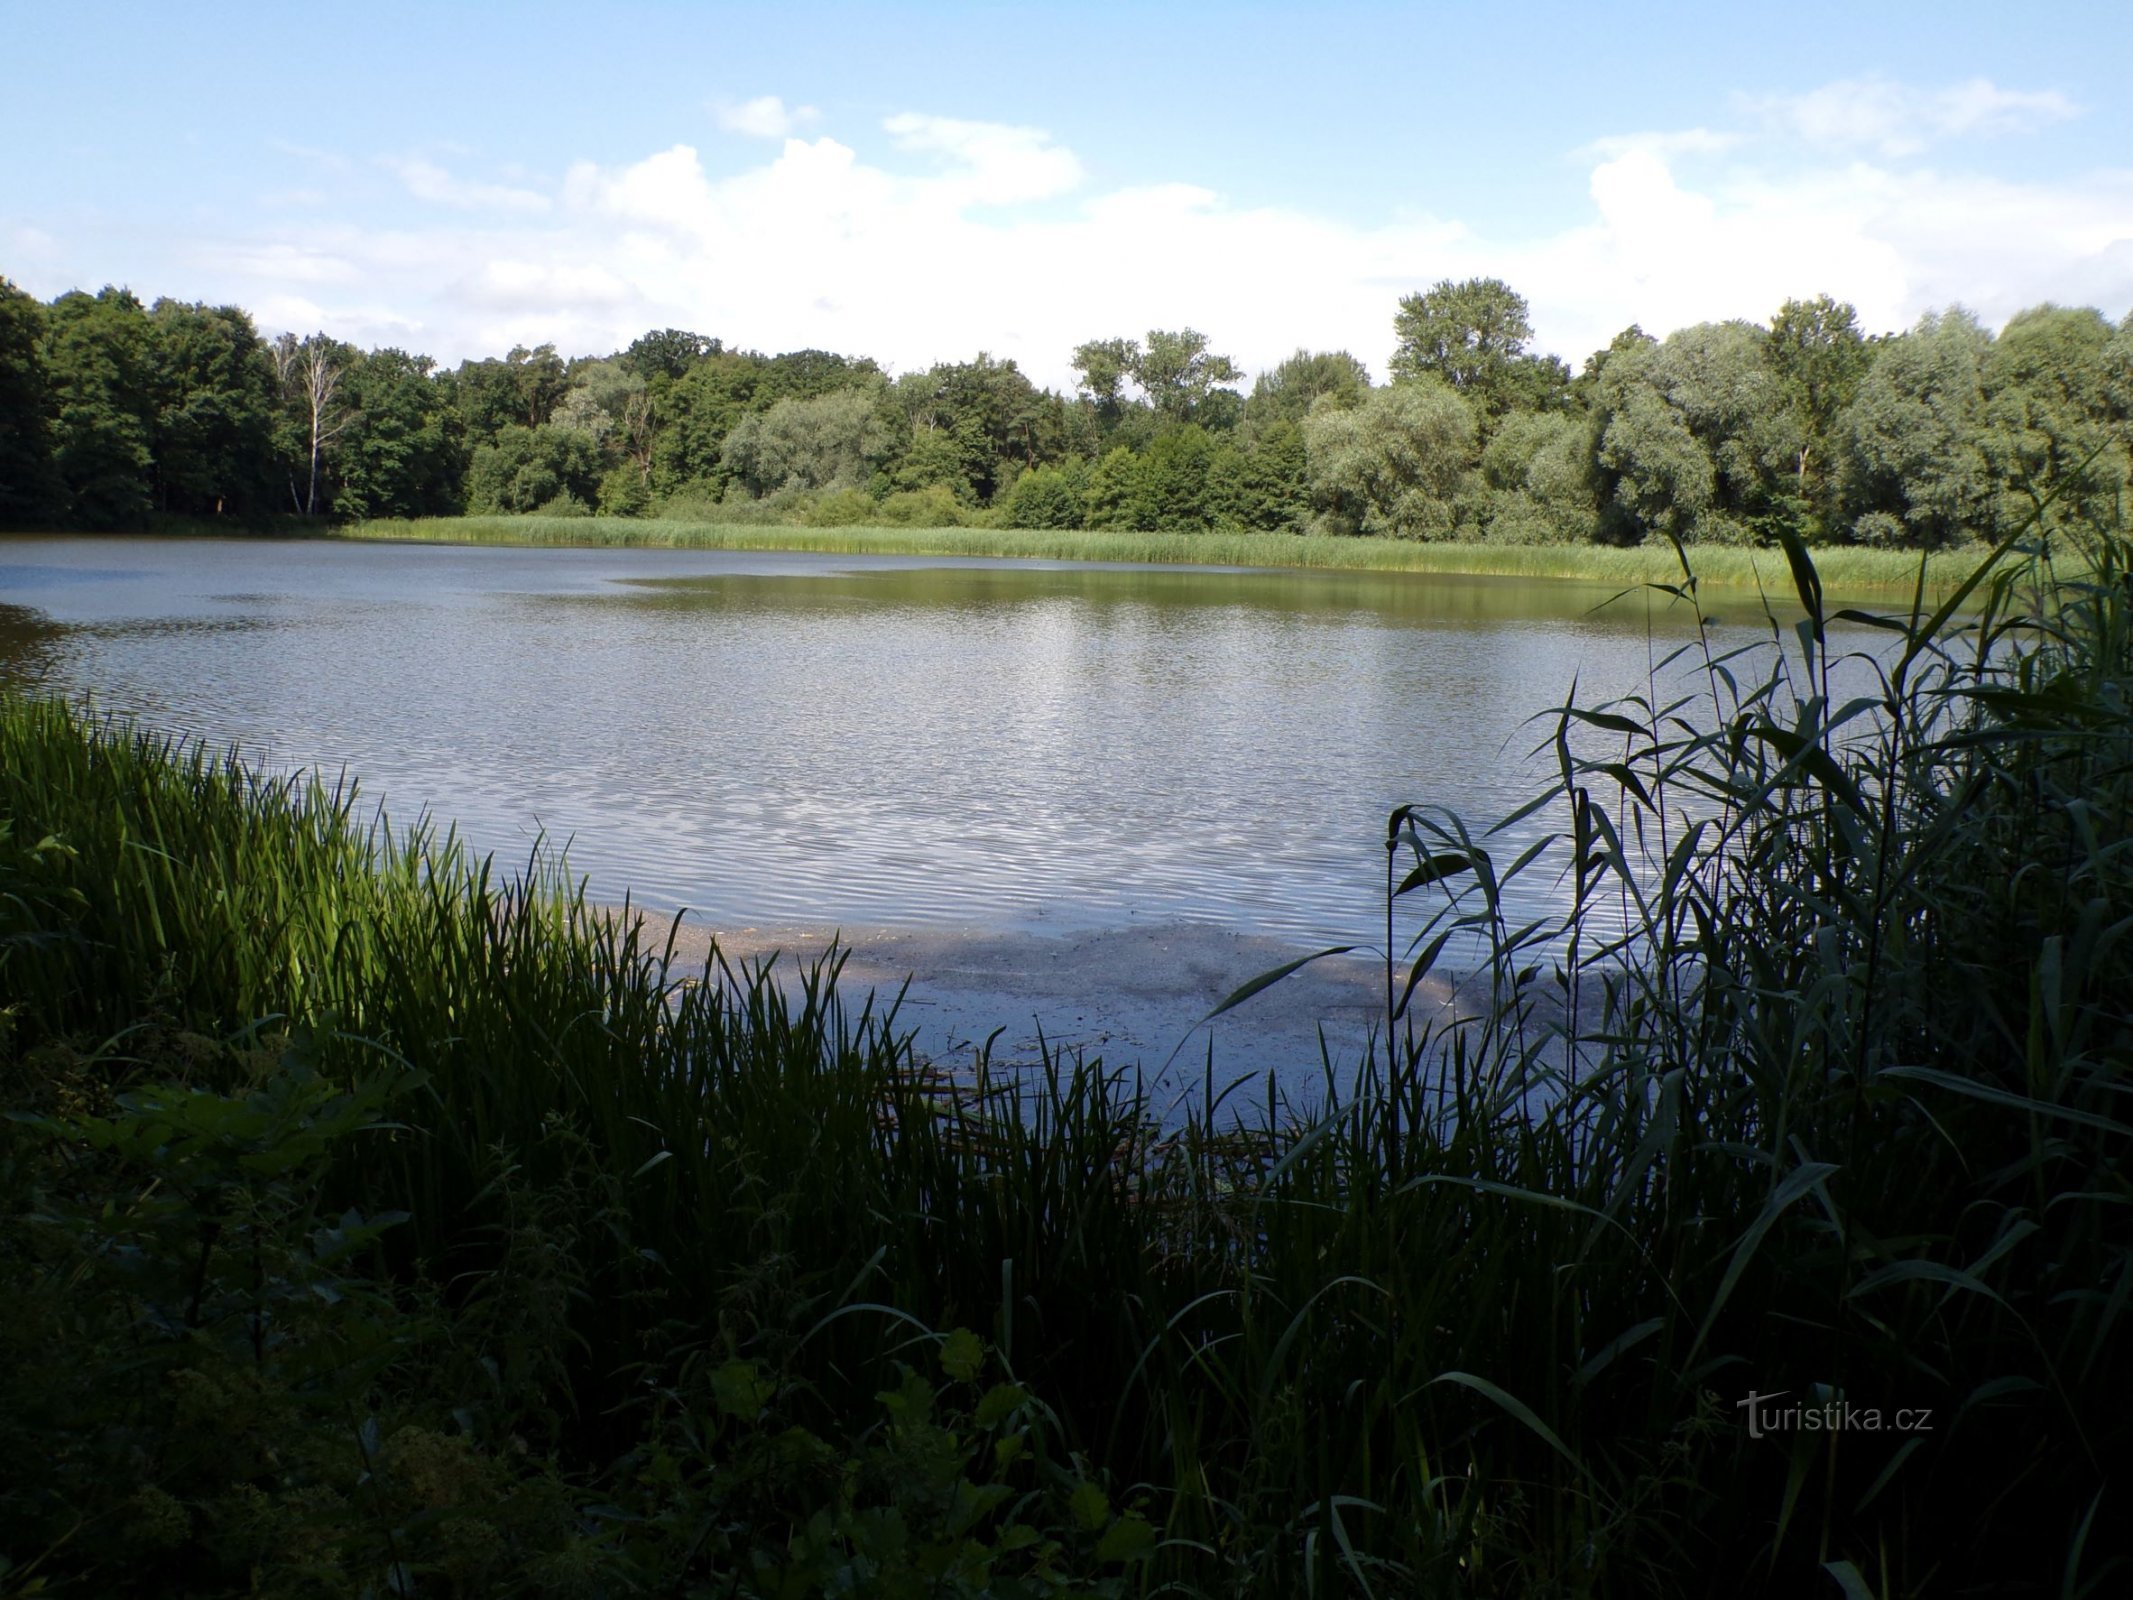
{"type": "Point", "coordinates": [370, 1227]}
{"type": "Point", "coordinates": [112, 412]}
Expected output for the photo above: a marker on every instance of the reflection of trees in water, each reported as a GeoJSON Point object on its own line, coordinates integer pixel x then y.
{"type": "Point", "coordinates": [28, 647]}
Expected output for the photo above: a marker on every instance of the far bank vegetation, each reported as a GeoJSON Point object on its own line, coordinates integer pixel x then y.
{"type": "Point", "coordinates": [117, 414]}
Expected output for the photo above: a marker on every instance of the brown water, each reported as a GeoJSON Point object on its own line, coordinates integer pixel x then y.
{"type": "Point", "coordinates": [822, 740]}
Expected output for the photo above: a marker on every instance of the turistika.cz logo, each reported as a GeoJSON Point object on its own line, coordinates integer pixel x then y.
{"type": "Point", "coordinates": [1833, 1415]}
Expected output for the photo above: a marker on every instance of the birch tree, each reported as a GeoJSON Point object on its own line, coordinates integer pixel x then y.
{"type": "Point", "coordinates": [308, 373]}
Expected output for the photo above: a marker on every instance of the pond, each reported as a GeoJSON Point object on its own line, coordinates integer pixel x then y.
{"type": "Point", "coordinates": [952, 748]}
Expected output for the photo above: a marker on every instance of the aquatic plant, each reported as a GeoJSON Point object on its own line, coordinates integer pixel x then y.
{"type": "Point", "coordinates": [1813, 1098]}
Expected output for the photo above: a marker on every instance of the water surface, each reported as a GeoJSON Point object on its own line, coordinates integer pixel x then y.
{"type": "Point", "coordinates": [831, 740]}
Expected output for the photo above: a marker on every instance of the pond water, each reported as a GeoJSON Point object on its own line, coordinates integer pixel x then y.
{"type": "Point", "coordinates": [1080, 803]}
{"type": "Point", "coordinates": [896, 743]}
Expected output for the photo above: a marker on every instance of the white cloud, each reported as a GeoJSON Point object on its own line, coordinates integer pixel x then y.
{"type": "Point", "coordinates": [1894, 119]}
{"type": "Point", "coordinates": [1000, 164]}
{"type": "Point", "coordinates": [764, 117]}
{"type": "Point", "coordinates": [282, 262]}
{"type": "Point", "coordinates": [426, 180]}
{"type": "Point", "coordinates": [910, 260]}
{"type": "Point", "coordinates": [1669, 143]}
{"type": "Point", "coordinates": [368, 325]}
{"type": "Point", "coordinates": [507, 285]}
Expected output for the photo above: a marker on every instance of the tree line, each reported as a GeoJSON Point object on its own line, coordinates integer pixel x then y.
{"type": "Point", "coordinates": [114, 412]}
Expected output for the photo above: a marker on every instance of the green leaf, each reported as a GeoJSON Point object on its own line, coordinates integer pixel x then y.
{"type": "Point", "coordinates": [1090, 1506]}
{"type": "Point", "coordinates": [1608, 720]}
{"type": "Point", "coordinates": [1805, 579]}
{"type": "Point", "coordinates": [1130, 1538]}
{"type": "Point", "coordinates": [1001, 1402]}
{"type": "Point", "coordinates": [1801, 1180]}
{"type": "Point", "coordinates": [1954, 1083]}
{"type": "Point", "coordinates": [1512, 1404]}
{"type": "Point", "coordinates": [1433, 868]}
{"type": "Point", "coordinates": [962, 1355]}
{"type": "Point", "coordinates": [1267, 980]}
{"type": "Point", "coordinates": [1921, 1272]}
{"type": "Point", "coordinates": [741, 1389]}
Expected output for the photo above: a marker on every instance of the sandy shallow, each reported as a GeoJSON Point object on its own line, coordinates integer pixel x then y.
{"type": "Point", "coordinates": [1133, 996]}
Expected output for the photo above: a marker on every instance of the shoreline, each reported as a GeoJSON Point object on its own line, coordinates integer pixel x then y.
{"type": "Point", "coordinates": [1845, 570]}
{"type": "Point", "coordinates": [1132, 997]}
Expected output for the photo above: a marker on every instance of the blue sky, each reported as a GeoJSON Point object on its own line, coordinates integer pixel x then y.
{"type": "Point", "coordinates": [920, 183]}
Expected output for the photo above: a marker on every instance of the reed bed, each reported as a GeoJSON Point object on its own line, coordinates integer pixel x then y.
{"type": "Point", "coordinates": [1840, 1122]}
{"type": "Point", "coordinates": [1847, 570]}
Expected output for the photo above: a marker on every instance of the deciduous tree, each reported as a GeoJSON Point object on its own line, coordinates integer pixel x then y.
{"type": "Point", "coordinates": [1287, 392]}
{"type": "Point", "coordinates": [1395, 463]}
{"type": "Point", "coordinates": [1915, 434]}
{"type": "Point", "coordinates": [99, 356]}
{"type": "Point", "coordinates": [307, 374]}
{"type": "Point", "coordinates": [1819, 358]}
{"type": "Point", "coordinates": [29, 483]}
{"type": "Point", "coordinates": [1473, 336]}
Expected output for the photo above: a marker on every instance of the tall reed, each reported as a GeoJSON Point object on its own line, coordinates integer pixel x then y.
{"type": "Point", "coordinates": [1815, 1087]}
{"type": "Point", "coordinates": [1850, 570]}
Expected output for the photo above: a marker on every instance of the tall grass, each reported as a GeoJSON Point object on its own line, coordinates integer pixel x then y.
{"type": "Point", "coordinates": [1845, 570]}
{"type": "Point", "coordinates": [1841, 1115]}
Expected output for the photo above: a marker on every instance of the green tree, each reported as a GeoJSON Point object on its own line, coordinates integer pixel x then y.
{"type": "Point", "coordinates": [934, 459]}
{"type": "Point", "coordinates": [1819, 358]}
{"type": "Point", "coordinates": [702, 408]}
{"type": "Point", "coordinates": [1046, 497]}
{"type": "Point", "coordinates": [624, 492]}
{"type": "Point", "coordinates": [524, 387]}
{"type": "Point", "coordinates": [402, 455]}
{"type": "Point", "coordinates": [2118, 379]}
{"type": "Point", "coordinates": [551, 469]}
{"type": "Point", "coordinates": [1584, 389]}
{"type": "Point", "coordinates": [214, 418]}
{"type": "Point", "coordinates": [2053, 435]}
{"type": "Point", "coordinates": [539, 380]}
{"type": "Point", "coordinates": [973, 424]}
{"type": "Point", "coordinates": [668, 353]}
{"type": "Point", "coordinates": [1537, 473]}
{"type": "Point", "coordinates": [1395, 464]}
{"type": "Point", "coordinates": [601, 398]}
{"type": "Point", "coordinates": [1654, 475]}
{"type": "Point", "coordinates": [1177, 375]}
{"type": "Point", "coordinates": [1111, 498]}
{"type": "Point", "coordinates": [99, 355]}
{"type": "Point", "coordinates": [1271, 486]}
{"type": "Point", "coordinates": [1173, 492]}
{"type": "Point", "coordinates": [1180, 375]}
{"type": "Point", "coordinates": [1473, 336]}
{"type": "Point", "coordinates": [1914, 437]}
{"type": "Point", "coordinates": [1105, 367]}
{"type": "Point", "coordinates": [29, 483]}
{"type": "Point", "coordinates": [1287, 392]}
{"type": "Point", "coordinates": [810, 374]}
{"type": "Point", "coordinates": [1693, 436]}
{"type": "Point", "coordinates": [829, 442]}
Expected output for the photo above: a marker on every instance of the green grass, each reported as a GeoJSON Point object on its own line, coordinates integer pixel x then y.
{"type": "Point", "coordinates": [1844, 571]}
{"type": "Point", "coordinates": [1818, 1085]}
